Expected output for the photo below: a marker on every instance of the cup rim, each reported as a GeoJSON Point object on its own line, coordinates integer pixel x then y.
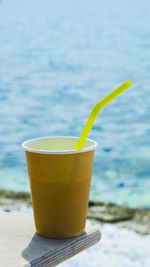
{"type": "Point", "coordinates": [93, 147]}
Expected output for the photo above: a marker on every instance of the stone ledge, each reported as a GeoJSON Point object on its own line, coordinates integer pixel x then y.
{"type": "Point", "coordinates": [22, 247]}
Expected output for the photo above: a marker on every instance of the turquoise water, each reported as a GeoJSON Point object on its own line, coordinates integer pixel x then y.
{"type": "Point", "coordinates": [57, 59]}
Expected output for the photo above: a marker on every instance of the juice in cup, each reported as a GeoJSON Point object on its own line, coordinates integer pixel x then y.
{"type": "Point", "coordinates": [60, 170]}
{"type": "Point", "coordinates": [60, 179]}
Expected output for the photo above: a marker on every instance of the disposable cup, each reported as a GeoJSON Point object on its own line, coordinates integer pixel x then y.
{"type": "Point", "coordinates": [60, 179]}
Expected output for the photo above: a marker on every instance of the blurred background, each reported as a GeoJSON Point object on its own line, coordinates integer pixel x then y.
{"type": "Point", "coordinates": [57, 59]}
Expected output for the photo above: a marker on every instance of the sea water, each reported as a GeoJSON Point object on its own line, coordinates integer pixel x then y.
{"type": "Point", "coordinates": [56, 61]}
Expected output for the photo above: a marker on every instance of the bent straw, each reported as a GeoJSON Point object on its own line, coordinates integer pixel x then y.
{"type": "Point", "coordinates": [96, 110]}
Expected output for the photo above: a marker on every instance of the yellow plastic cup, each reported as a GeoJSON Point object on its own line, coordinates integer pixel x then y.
{"type": "Point", "coordinates": [60, 179]}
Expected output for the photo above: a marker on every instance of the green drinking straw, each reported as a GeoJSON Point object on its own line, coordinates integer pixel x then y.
{"type": "Point", "coordinates": [96, 110]}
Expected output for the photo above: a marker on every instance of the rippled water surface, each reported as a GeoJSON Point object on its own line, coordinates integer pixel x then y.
{"type": "Point", "coordinates": [57, 59]}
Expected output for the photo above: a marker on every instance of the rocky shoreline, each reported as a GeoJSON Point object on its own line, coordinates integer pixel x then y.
{"type": "Point", "coordinates": [99, 212]}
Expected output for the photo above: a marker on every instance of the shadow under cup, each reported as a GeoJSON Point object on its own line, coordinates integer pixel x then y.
{"type": "Point", "coordinates": [60, 179]}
